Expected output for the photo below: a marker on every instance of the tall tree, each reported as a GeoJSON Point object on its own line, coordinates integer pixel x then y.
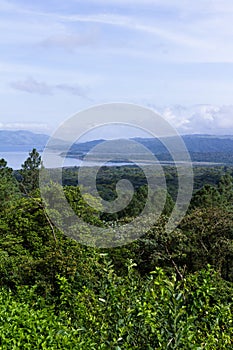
{"type": "Point", "coordinates": [8, 185]}
{"type": "Point", "coordinates": [207, 197]}
{"type": "Point", "coordinates": [225, 188]}
{"type": "Point", "coordinates": [30, 172]}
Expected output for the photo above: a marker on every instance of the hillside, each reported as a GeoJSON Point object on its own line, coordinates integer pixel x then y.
{"type": "Point", "coordinates": [24, 140]}
{"type": "Point", "coordinates": [21, 140]}
{"type": "Point", "coordinates": [204, 148]}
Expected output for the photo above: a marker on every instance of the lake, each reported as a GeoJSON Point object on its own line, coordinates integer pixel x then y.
{"type": "Point", "coordinates": [16, 159]}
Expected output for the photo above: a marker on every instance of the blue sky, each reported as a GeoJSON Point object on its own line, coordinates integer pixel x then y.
{"type": "Point", "coordinates": [59, 57]}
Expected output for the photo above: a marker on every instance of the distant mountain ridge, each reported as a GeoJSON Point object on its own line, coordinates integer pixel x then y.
{"type": "Point", "coordinates": [202, 147]}
{"type": "Point", "coordinates": [194, 143]}
{"type": "Point", "coordinates": [24, 140]}
{"type": "Point", "coordinates": [21, 140]}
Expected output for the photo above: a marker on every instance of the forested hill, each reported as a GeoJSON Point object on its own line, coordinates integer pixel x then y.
{"type": "Point", "coordinates": [194, 143]}
{"type": "Point", "coordinates": [210, 148]}
{"type": "Point", "coordinates": [205, 148]}
{"type": "Point", "coordinates": [164, 289]}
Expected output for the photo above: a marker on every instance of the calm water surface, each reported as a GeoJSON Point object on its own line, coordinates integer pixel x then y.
{"type": "Point", "coordinates": [16, 159]}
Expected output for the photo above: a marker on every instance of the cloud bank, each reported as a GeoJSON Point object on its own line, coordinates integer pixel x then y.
{"type": "Point", "coordinates": [200, 119]}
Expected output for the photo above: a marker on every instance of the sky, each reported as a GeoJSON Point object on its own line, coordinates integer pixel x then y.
{"type": "Point", "coordinates": [60, 57]}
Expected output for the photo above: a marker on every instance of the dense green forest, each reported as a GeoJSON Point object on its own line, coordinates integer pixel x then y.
{"type": "Point", "coordinates": [162, 291]}
{"type": "Point", "coordinates": [201, 148]}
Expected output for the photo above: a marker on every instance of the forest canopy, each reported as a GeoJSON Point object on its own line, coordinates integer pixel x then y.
{"type": "Point", "coordinates": [162, 291]}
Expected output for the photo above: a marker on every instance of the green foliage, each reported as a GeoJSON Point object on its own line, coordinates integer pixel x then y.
{"type": "Point", "coordinates": [209, 239]}
{"type": "Point", "coordinates": [26, 326]}
{"type": "Point", "coordinates": [220, 195]}
{"type": "Point", "coordinates": [207, 196]}
{"type": "Point", "coordinates": [29, 174]}
{"type": "Point", "coordinates": [9, 190]}
{"type": "Point", "coordinates": [163, 291]}
{"type": "Point", "coordinates": [123, 313]}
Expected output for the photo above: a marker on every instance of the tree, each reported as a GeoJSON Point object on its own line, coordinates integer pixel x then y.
{"type": "Point", "coordinates": [210, 196]}
{"type": "Point", "coordinates": [207, 197]}
{"type": "Point", "coordinates": [209, 240]}
{"type": "Point", "coordinates": [225, 188]}
{"type": "Point", "coordinates": [30, 172]}
{"type": "Point", "coordinates": [8, 185]}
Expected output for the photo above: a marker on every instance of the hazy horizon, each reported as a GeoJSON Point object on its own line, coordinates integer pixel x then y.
{"type": "Point", "coordinates": [94, 136]}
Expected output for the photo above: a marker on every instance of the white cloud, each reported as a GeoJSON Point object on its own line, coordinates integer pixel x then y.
{"type": "Point", "coordinates": [198, 34]}
{"type": "Point", "coordinates": [25, 126]}
{"type": "Point", "coordinates": [76, 89]}
{"type": "Point", "coordinates": [71, 41]}
{"type": "Point", "coordinates": [136, 24]}
{"type": "Point", "coordinates": [32, 86]}
{"type": "Point", "coordinates": [123, 49]}
{"type": "Point", "coordinates": [207, 119]}
{"type": "Point", "coordinates": [55, 20]}
{"type": "Point", "coordinates": [193, 31]}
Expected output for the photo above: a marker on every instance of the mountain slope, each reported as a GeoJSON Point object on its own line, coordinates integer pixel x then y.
{"type": "Point", "coordinates": [21, 140]}
{"type": "Point", "coordinates": [201, 147]}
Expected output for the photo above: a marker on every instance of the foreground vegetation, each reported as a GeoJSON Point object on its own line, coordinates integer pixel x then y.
{"type": "Point", "coordinates": [163, 291]}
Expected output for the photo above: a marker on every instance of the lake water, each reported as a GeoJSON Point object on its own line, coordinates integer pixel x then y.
{"type": "Point", "coordinates": [16, 159]}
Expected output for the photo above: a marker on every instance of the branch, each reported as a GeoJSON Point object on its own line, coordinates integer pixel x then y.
{"type": "Point", "coordinates": [174, 264]}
